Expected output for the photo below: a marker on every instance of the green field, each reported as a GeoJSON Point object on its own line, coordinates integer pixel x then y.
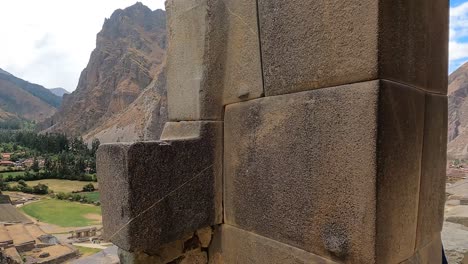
{"type": "Point", "coordinates": [65, 186]}
{"type": "Point", "coordinates": [93, 196]}
{"type": "Point", "coordinates": [87, 251]}
{"type": "Point", "coordinates": [64, 213]}
{"type": "Point", "coordinates": [4, 175]}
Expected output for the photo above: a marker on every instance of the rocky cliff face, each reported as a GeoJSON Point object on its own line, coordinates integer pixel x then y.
{"type": "Point", "coordinates": [22, 99]}
{"type": "Point", "coordinates": [458, 113]}
{"type": "Point", "coordinates": [129, 53]}
{"type": "Point", "coordinates": [143, 120]}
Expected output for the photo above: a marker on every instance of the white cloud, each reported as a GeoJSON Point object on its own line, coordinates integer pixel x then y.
{"type": "Point", "coordinates": [458, 50]}
{"type": "Point", "coordinates": [458, 45]}
{"type": "Point", "coordinates": [49, 41]}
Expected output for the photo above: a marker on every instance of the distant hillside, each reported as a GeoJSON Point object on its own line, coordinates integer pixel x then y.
{"type": "Point", "coordinates": [25, 100]}
{"type": "Point", "coordinates": [458, 113]}
{"type": "Point", "coordinates": [59, 91]}
{"type": "Point", "coordinates": [129, 53]}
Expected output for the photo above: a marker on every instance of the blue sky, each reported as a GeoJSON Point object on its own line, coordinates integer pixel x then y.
{"type": "Point", "coordinates": [458, 44]}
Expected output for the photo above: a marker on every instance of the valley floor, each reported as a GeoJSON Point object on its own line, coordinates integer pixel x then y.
{"type": "Point", "coordinates": [455, 231]}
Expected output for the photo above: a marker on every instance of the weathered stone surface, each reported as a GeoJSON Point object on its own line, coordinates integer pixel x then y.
{"type": "Point", "coordinates": [464, 201]}
{"type": "Point", "coordinates": [138, 258]}
{"type": "Point", "coordinates": [213, 57]}
{"type": "Point", "coordinates": [312, 44]}
{"type": "Point", "coordinates": [400, 136]}
{"type": "Point", "coordinates": [315, 187]}
{"type": "Point", "coordinates": [243, 77]}
{"type": "Point", "coordinates": [205, 235]}
{"type": "Point", "coordinates": [432, 189]}
{"type": "Point", "coordinates": [413, 43]}
{"type": "Point", "coordinates": [171, 251]}
{"type": "Point", "coordinates": [181, 130]}
{"type": "Point", "coordinates": [430, 253]}
{"type": "Point", "coordinates": [195, 257]}
{"type": "Point", "coordinates": [232, 245]}
{"type": "Point", "coordinates": [156, 192]}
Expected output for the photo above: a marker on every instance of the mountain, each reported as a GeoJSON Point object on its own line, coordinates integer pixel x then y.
{"type": "Point", "coordinates": [4, 72]}
{"type": "Point", "coordinates": [22, 99]}
{"type": "Point", "coordinates": [129, 53]}
{"type": "Point", "coordinates": [143, 120]}
{"type": "Point", "coordinates": [59, 91]}
{"type": "Point", "coordinates": [458, 114]}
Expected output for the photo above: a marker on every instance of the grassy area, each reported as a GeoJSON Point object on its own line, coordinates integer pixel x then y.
{"type": "Point", "coordinates": [65, 186]}
{"type": "Point", "coordinates": [93, 196]}
{"type": "Point", "coordinates": [4, 175]}
{"type": "Point", "coordinates": [64, 213]}
{"type": "Point", "coordinates": [4, 168]}
{"type": "Point", "coordinates": [87, 251]}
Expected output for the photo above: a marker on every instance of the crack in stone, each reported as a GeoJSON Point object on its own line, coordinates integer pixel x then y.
{"type": "Point", "coordinates": [240, 18]}
{"type": "Point", "coordinates": [159, 201]}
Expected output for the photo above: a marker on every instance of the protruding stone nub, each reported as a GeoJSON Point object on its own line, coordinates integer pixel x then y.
{"type": "Point", "coordinates": [154, 193]}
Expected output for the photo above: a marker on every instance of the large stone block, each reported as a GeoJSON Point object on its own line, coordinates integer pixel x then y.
{"type": "Point", "coordinates": [232, 245]}
{"type": "Point", "coordinates": [400, 144]}
{"type": "Point", "coordinates": [430, 253]}
{"type": "Point", "coordinates": [432, 190]}
{"type": "Point", "coordinates": [332, 171]}
{"type": "Point", "coordinates": [243, 78]}
{"type": "Point", "coordinates": [315, 44]}
{"type": "Point", "coordinates": [413, 43]}
{"type": "Point", "coordinates": [213, 57]}
{"type": "Point", "coordinates": [154, 193]}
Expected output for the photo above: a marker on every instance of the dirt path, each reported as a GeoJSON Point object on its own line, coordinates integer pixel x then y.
{"type": "Point", "coordinates": [54, 229]}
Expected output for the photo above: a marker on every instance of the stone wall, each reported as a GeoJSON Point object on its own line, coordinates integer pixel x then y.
{"type": "Point", "coordinates": [299, 131]}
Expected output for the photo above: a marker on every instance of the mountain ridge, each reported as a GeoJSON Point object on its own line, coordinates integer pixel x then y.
{"type": "Point", "coordinates": [20, 99]}
{"type": "Point", "coordinates": [129, 53]}
{"type": "Point", "coordinates": [59, 91]}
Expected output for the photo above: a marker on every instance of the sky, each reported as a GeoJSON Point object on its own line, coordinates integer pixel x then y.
{"type": "Point", "coordinates": [49, 42]}
{"type": "Point", "coordinates": [458, 43]}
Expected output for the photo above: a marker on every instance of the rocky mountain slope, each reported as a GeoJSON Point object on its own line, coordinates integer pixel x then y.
{"type": "Point", "coordinates": [458, 114]}
{"type": "Point", "coordinates": [144, 119]}
{"type": "Point", "coordinates": [21, 99]}
{"type": "Point", "coordinates": [129, 54]}
{"type": "Point", "coordinates": [59, 91]}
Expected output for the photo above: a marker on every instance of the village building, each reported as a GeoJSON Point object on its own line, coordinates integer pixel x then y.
{"type": "Point", "coordinates": [21, 238]}
{"type": "Point", "coordinates": [6, 156]}
{"type": "Point", "coordinates": [85, 234]}
{"type": "Point", "coordinates": [7, 163]}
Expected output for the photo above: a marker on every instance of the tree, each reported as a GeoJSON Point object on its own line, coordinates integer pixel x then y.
{"type": "Point", "coordinates": [80, 165]}
{"type": "Point", "coordinates": [47, 164]}
{"type": "Point", "coordinates": [94, 147]}
{"type": "Point", "coordinates": [35, 165]}
{"type": "Point", "coordinates": [41, 189]}
{"type": "Point", "coordinates": [22, 183]}
{"type": "Point", "coordinates": [3, 185]}
{"type": "Point", "coordinates": [89, 188]}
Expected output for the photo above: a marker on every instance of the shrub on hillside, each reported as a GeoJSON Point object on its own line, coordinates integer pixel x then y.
{"type": "Point", "coordinates": [89, 188]}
